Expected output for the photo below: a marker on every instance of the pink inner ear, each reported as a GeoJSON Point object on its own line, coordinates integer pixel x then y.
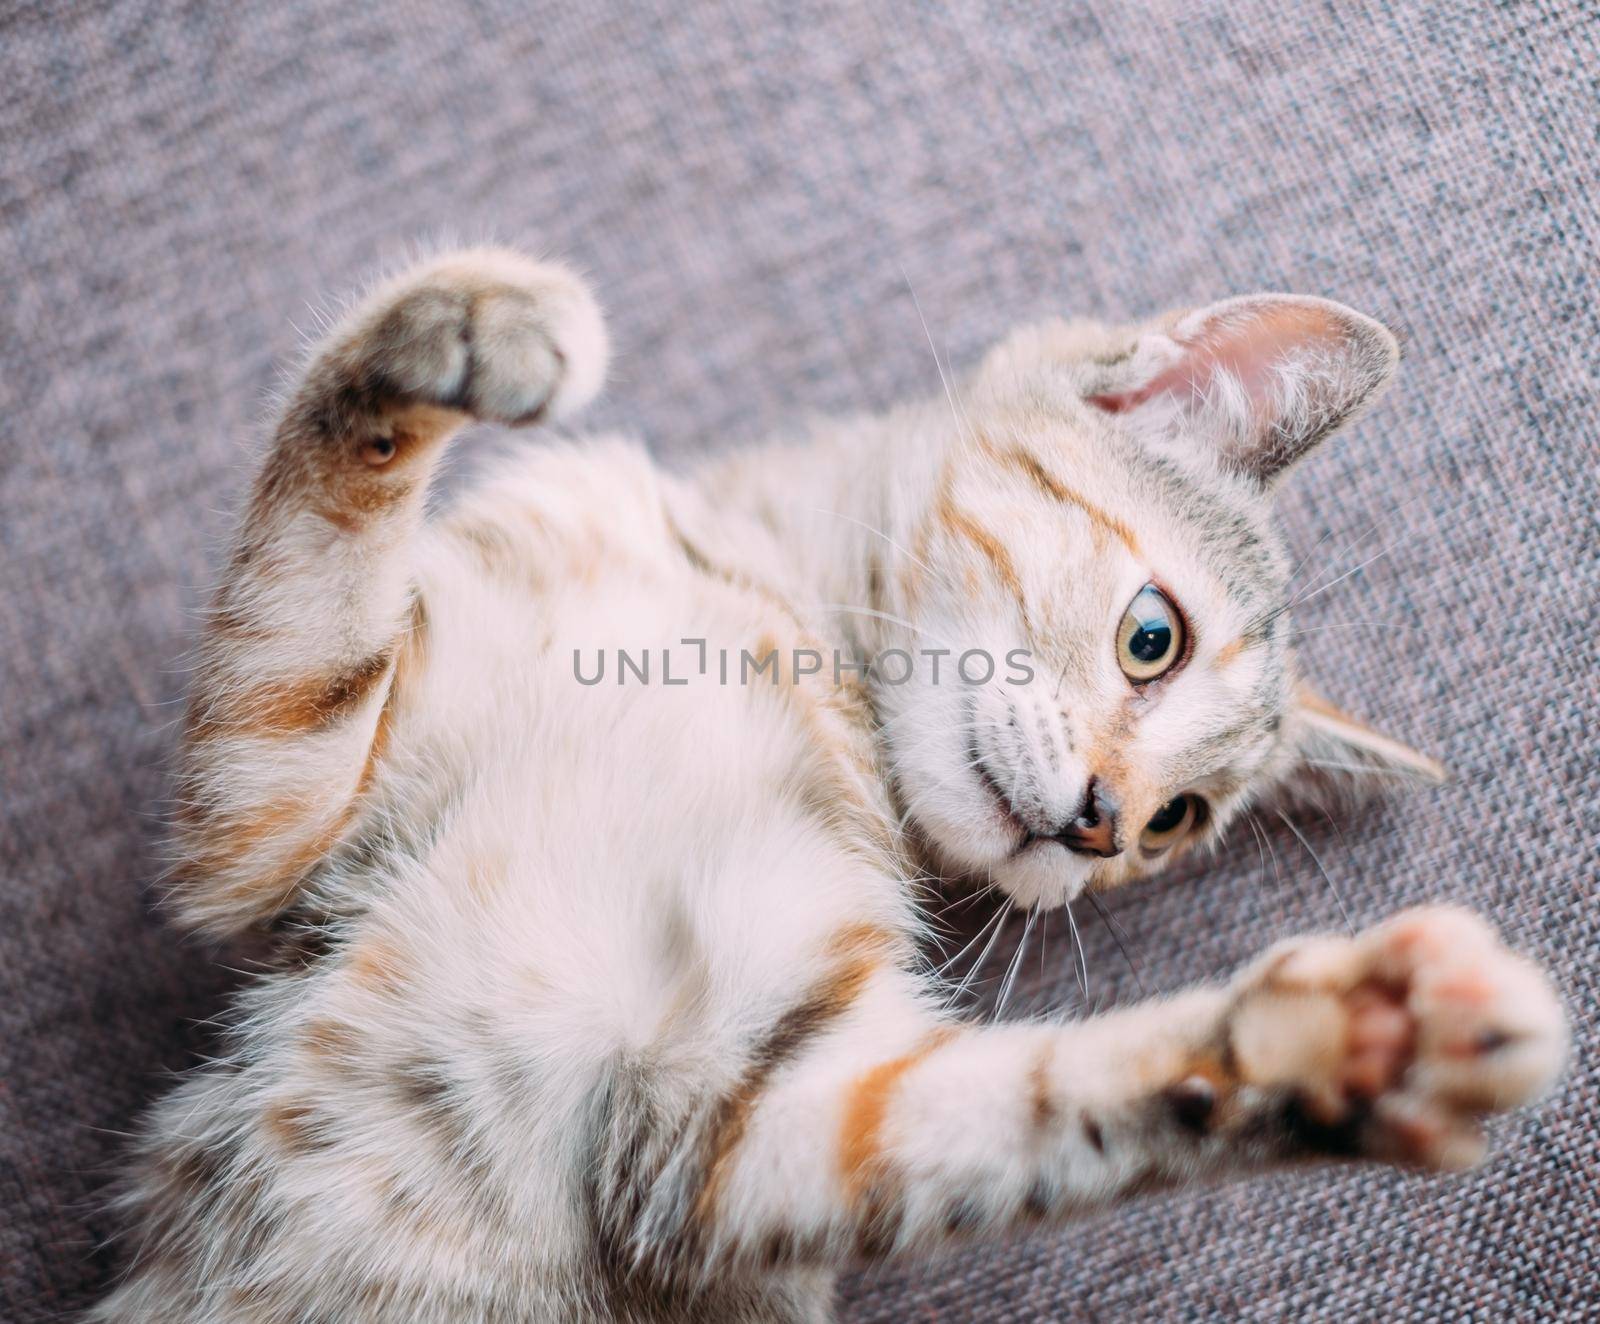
{"type": "Point", "coordinates": [1244, 344]}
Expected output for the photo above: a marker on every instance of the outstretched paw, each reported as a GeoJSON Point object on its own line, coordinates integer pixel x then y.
{"type": "Point", "coordinates": [1395, 1044]}
{"type": "Point", "coordinates": [482, 331]}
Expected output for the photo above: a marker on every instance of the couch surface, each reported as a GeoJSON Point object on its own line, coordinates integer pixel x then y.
{"type": "Point", "coordinates": [757, 186]}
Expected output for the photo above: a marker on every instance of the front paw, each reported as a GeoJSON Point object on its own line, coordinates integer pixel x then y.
{"type": "Point", "coordinates": [485, 332]}
{"type": "Point", "coordinates": [1394, 1045]}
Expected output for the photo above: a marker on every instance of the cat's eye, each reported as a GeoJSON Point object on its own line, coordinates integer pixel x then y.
{"type": "Point", "coordinates": [1171, 823]}
{"type": "Point", "coordinates": [1150, 638]}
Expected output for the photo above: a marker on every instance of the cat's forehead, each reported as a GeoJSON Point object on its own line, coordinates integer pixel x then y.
{"type": "Point", "coordinates": [1179, 520]}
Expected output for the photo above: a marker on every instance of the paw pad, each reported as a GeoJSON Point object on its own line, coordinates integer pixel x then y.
{"type": "Point", "coordinates": [1439, 1025]}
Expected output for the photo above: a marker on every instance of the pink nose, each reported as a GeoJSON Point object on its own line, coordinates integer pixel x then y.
{"type": "Point", "coordinates": [1093, 830]}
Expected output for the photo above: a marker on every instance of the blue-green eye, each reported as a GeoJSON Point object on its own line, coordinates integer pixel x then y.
{"type": "Point", "coordinates": [1151, 637]}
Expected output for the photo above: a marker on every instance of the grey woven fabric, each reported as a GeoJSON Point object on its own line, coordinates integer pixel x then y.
{"type": "Point", "coordinates": [754, 185]}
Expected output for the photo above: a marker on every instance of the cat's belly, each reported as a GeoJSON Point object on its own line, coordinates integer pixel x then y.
{"type": "Point", "coordinates": [607, 877]}
{"type": "Point", "coordinates": [627, 802]}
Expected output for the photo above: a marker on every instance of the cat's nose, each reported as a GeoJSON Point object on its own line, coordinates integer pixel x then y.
{"type": "Point", "coordinates": [1093, 830]}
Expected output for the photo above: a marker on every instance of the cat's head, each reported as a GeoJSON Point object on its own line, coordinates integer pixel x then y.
{"type": "Point", "coordinates": [1104, 502]}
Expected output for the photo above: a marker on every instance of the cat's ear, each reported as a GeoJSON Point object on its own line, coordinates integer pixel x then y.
{"type": "Point", "coordinates": [1261, 378]}
{"type": "Point", "coordinates": [1335, 760]}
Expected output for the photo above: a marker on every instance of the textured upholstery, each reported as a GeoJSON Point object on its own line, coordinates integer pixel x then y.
{"type": "Point", "coordinates": [754, 184]}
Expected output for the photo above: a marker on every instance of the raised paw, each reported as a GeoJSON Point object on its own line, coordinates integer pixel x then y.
{"type": "Point", "coordinates": [1396, 1043]}
{"type": "Point", "coordinates": [483, 331]}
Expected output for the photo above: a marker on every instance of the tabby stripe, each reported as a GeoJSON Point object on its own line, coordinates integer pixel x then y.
{"type": "Point", "coordinates": [293, 709]}
{"type": "Point", "coordinates": [279, 885]}
{"type": "Point", "coordinates": [861, 948]}
{"type": "Point", "coordinates": [1104, 524]}
{"type": "Point", "coordinates": [1229, 651]}
{"type": "Point", "coordinates": [228, 842]}
{"type": "Point", "coordinates": [866, 1107]}
{"type": "Point", "coordinates": [958, 522]}
{"type": "Point", "coordinates": [1043, 1106]}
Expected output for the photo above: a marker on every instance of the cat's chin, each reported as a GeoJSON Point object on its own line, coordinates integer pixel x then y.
{"type": "Point", "coordinates": [1031, 871]}
{"type": "Point", "coordinates": [990, 847]}
{"type": "Point", "coordinates": [1042, 874]}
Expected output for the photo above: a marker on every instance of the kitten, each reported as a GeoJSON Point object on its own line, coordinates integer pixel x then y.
{"type": "Point", "coordinates": [610, 999]}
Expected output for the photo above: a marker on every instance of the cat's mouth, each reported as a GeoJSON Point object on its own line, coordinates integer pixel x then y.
{"type": "Point", "coordinates": [998, 800]}
{"type": "Point", "coordinates": [977, 834]}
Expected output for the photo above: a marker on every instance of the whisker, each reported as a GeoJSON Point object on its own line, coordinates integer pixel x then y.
{"type": "Point", "coordinates": [912, 710]}
{"type": "Point", "coordinates": [1303, 598]}
{"type": "Point", "coordinates": [947, 783]}
{"type": "Point", "coordinates": [1300, 836]}
{"type": "Point", "coordinates": [1340, 625]}
{"type": "Point", "coordinates": [850, 519]}
{"type": "Point", "coordinates": [1016, 963]}
{"type": "Point", "coordinates": [923, 739]}
{"type": "Point", "coordinates": [1262, 837]}
{"type": "Point", "coordinates": [885, 616]}
{"type": "Point", "coordinates": [1265, 850]}
{"type": "Point", "coordinates": [961, 903]}
{"type": "Point", "coordinates": [1083, 961]}
{"type": "Point", "coordinates": [988, 947]}
{"type": "Point", "coordinates": [1312, 593]}
{"type": "Point", "coordinates": [1301, 563]}
{"type": "Point", "coordinates": [1372, 527]}
{"type": "Point", "coordinates": [1337, 831]}
{"type": "Point", "coordinates": [1315, 588]}
{"type": "Point", "coordinates": [882, 727]}
{"type": "Point", "coordinates": [972, 940]}
{"type": "Point", "coordinates": [1112, 927]}
{"type": "Point", "coordinates": [1366, 769]}
{"type": "Point", "coordinates": [961, 421]}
